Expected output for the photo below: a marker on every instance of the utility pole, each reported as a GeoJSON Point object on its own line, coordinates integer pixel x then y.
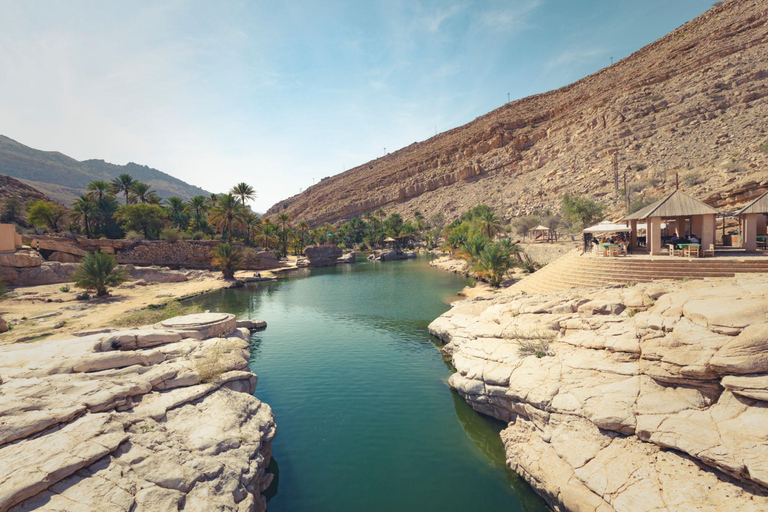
{"type": "Point", "coordinates": [507, 97]}
{"type": "Point", "coordinates": [385, 151]}
{"type": "Point", "coordinates": [611, 60]}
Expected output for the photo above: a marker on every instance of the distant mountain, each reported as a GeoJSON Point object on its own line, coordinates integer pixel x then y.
{"type": "Point", "coordinates": [10, 187]}
{"type": "Point", "coordinates": [64, 178]}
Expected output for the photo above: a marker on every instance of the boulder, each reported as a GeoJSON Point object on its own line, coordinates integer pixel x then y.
{"type": "Point", "coordinates": [347, 258]}
{"type": "Point", "coordinates": [322, 255]}
{"type": "Point", "coordinates": [23, 258]}
{"type": "Point", "coordinates": [63, 257]}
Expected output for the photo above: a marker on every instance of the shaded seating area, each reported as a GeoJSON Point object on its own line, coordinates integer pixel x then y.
{"type": "Point", "coordinates": [752, 220]}
{"type": "Point", "coordinates": [539, 233]}
{"type": "Point", "coordinates": [690, 226]}
{"type": "Point", "coordinates": [607, 239]}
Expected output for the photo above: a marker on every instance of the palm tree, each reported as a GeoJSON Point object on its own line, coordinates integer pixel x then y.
{"type": "Point", "coordinates": [97, 271]}
{"type": "Point", "coordinates": [489, 223]}
{"type": "Point", "coordinates": [123, 183]}
{"type": "Point", "coordinates": [252, 225]}
{"type": "Point", "coordinates": [143, 192]}
{"type": "Point", "coordinates": [245, 191]}
{"type": "Point", "coordinates": [474, 246]}
{"type": "Point", "coordinates": [380, 214]}
{"type": "Point", "coordinates": [197, 206]}
{"type": "Point", "coordinates": [283, 218]}
{"type": "Point", "coordinates": [176, 211]}
{"type": "Point", "coordinates": [85, 210]}
{"type": "Point", "coordinates": [227, 214]}
{"type": "Point", "coordinates": [267, 236]}
{"type": "Point", "coordinates": [303, 228]}
{"type": "Point", "coordinates": [228, 258]}
{"type": "Point", "coordinates": [98, 189]}
{"type": "Point", "coordinates": [493, 262]}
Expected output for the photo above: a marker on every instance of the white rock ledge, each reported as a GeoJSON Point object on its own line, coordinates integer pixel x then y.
{"type": "Point", "coordinates": [152, 419]}
{"type": "Point", "coordinates": [649, 398]}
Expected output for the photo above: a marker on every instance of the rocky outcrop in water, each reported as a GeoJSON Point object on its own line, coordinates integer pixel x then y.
{"type": "Point", "coordinates": [150, 419]}
{"type": "Point", "coordinates": [647, 398]}
{"type": "Point", "coordinates": [392, 255]}
{"type": "Point", "coordinates": [321, 256]}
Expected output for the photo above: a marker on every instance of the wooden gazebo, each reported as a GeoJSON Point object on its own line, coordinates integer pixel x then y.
{"type": "Point", "coordinates": [753, 222]}
{"type": "Point", "coordinates": [688, 213]}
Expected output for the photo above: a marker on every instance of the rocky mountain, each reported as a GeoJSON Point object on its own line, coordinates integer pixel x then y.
{"type": "Point", "coordinates": [692, 103]}
{"type": "Point", "coordinates": [10, 187]}
{"type": "Point", "coordinates": [64, 178]}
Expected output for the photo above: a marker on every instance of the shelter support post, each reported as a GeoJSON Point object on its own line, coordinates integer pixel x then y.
{"type": "Point", "coordinates": [633, 233]}
{"type": "Point", "coordinates": [697, 225]}
{"type": "Point", "coordinates": [749, 238]}
{"type": "Point", "coordinates": [762, 220]}
{"type": "Point", "coordinates": [654, 235]}
{"type": "Point", "coordinates": [708, 230]}
{"type": "Point", "coordinates": [680, 226]}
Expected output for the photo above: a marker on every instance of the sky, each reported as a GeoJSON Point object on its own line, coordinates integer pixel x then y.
{"type": "Point", "coordinates": [280, 94]}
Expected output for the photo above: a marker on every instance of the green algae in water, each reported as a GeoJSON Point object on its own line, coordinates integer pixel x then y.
{"type": "Point", "coordinates": [365, 420]}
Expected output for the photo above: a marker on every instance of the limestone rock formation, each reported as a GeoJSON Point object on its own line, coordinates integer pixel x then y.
{"type": "Point", "coordinates": [392, 255]}
{"type": "Point", "coordinates": [346, 258]}
{"type": "Point", "coordinates": [647, 398]}
{"type": "Point", "coordinates": [322, 255]}
{"type": "Point", "coordinates": [694, 100]}
{"type": "Point", "coordinates": [24, 258]}
{"type": "Point", "coordinates": [144, 419]}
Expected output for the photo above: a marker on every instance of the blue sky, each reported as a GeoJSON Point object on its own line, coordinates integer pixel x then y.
{"type": "Point", "coordinates": [280, 93]}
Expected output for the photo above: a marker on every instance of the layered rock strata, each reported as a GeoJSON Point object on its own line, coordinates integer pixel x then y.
{"type": "Point", "coordinates": [647, 398]}
{"type": "Point", "coordinates": [157, 418]}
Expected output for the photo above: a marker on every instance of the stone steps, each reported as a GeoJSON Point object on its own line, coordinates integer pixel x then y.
{"type": "Point", "coordinates": [576, 271]}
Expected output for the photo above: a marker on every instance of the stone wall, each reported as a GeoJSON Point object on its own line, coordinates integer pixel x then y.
{"type": "Point", "coordinates": [185, 254]}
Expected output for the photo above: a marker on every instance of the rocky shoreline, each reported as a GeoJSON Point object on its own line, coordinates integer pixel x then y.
{"type": "Point", "coordinates": [645, 398]}
{"type": "Point", "coordinates": [157, 418]}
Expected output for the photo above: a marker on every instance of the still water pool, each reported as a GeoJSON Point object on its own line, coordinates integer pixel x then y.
{"type": "Point", "coordinates": [365, 419]}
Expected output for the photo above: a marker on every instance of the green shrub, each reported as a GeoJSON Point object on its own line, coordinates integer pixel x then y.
{"type": "Point", "coordinates": [64, 288]}
{"type": "Point", "coordinates": [171, 235]}
{"type": "Point", "coordinates": [134, 235]}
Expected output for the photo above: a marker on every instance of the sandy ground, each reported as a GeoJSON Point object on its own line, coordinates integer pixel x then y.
{"type": "Point", "coordinates": [56, 306]}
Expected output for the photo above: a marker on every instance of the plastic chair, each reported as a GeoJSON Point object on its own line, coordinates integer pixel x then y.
{"type": "Point", "coordinates": [693, 251]}
{"type": "Point", "coordinates": [710, 251]}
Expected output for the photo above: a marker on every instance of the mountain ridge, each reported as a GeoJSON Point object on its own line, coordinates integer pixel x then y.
{"type": "Point", "coordinates": [64, 178]}
{"type": "Point", "coordinates": [672, 105]}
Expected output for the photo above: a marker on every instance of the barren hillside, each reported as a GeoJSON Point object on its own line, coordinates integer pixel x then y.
{"type": "Point", "coordinates": [693, 102]}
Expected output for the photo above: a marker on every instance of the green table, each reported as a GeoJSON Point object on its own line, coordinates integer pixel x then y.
{"type": "Point", "coordinates": [683, 246]}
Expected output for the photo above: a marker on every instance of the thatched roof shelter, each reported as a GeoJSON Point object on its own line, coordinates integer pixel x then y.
{"type": "Point", "coordinates": [759, 205]}
{"type": "Point", "coordinates": [676, 204]}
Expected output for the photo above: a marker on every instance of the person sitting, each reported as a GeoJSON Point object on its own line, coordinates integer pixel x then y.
{"type": "Point", "coordinates": [694, 239]}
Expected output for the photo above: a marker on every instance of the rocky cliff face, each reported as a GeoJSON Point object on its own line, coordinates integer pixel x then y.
{"type": "Point", "coordinates": [159, 418]}
{"type": "Point", "coordinates": [649, 398]}
{"type": "Point", "coordinates": [693, 101]}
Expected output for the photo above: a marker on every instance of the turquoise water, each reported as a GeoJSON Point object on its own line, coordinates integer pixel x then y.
{"type": "Point", "coordinates": [365, 419]}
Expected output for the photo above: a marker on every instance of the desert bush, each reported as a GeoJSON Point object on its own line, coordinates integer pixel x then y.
{"type": "Point", "coordinates": [228, 258]}
{"type": "Point", "coordinates": [170, 234]}
{"type": "Point", "coordinates": [134, 235]}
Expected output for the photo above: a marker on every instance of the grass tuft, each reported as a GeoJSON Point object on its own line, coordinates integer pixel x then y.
{"type": "Point", "coordinates": [152, 315]}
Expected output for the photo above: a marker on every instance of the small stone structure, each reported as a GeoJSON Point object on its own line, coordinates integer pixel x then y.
{"type": "Point", "coordinates": [10, 240]}
{"type": "Point", "coordinates": [142, 419]}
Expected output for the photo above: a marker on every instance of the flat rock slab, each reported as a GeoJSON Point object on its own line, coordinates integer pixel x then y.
{"type": "Point", "coordinates": [200, 325]}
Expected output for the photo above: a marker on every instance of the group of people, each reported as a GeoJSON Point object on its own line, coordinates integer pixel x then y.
{"type": "Point", "coordinates": [675, 241]}
{"type": "Point", "coordinates": [619, 239]}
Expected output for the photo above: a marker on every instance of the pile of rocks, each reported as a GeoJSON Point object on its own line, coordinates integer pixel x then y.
{"type": "Point", "coordinates": [157, 418]}
{"type": "Point", "coordinates": [320, 256]}
{"type": "Point", "coordinates": [645, 398]}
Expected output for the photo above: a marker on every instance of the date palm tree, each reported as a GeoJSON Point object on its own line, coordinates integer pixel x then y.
{"type": "Point", "coordinates": [489, 223]}
{"type": "Point", "coordinates": [283, 219]}
{"type": "Point", "coordinates": [197, 207]}
{"type": "Point", "coordinates": [244, 191]}
{"type": "Point", "coordinates": [85, 210]}
{"type": "Point", "coordinates": [176, 207]}
{"type": "Point", "coordinates": [227, 214]}
{"type": "Point", "coordinates": [303, 227]}
{"type": "Point", "coordinates": [123, 183]}
{"type": "Point", "coordinates": [97, 271]}
{"type": "Point", "coordinates": [493, 262]}
{"type": "Point", "coordinates": [98, 189]}
{"type": "Point", "coordinates": [143, 192]}
{"type": "Point", "coordinates": [267, 236]}
{"type": "Point", "coordinates": [228, 258]}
